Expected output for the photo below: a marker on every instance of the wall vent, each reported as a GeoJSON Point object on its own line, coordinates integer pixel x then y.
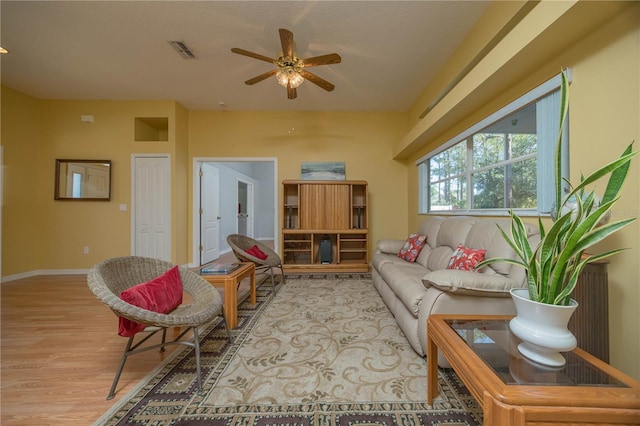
{"type": "Point", "coordinates": [182, 48]}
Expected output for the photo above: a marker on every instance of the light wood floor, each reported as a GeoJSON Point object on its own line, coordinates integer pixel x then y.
{"type": "Point", "coordinates": [59, 353]}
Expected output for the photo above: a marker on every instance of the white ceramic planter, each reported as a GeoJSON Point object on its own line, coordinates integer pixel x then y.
{"type": "Point", "coordinates": [542, 329]}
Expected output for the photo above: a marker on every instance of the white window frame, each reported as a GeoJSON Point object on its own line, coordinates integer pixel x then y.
{"type": "Point", "coordinates": [545, 154]}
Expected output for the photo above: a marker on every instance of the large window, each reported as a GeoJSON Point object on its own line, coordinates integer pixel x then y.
{"type": "Point", "coordinates": [504, 162]}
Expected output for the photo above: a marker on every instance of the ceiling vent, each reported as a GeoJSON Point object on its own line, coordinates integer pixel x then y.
{"type": "Point", "coordinates": [182, 48]}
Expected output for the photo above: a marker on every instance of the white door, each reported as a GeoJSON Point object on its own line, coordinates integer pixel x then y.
{"type": "Point", "coordinates": [250, 212]}
{"type": "Point", "coordinates": [242, 208]}
{"type": "Point", "coordinates": [245, 208]}
{"type": "Point", "coordinates": [151, 207]}
{"type": "Point", "coordinates": [209, 213]}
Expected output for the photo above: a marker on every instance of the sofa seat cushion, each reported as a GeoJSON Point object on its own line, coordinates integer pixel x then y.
{"type": "Point", "coordinates": [470, 283]}
{"type": "Point", "coordinates": [405, 279]}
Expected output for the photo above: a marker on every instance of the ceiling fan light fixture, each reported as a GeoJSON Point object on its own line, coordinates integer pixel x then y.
{"type": "Point", "coordinates": [289, 77]}
{"type": "Point", "coordinates": [291, 70]}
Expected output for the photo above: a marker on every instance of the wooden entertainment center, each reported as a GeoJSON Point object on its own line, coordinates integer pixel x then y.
{"type": "Point", "coordinates": [325, 226]}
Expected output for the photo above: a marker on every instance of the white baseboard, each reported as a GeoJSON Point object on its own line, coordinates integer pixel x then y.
{"type": "Point", "coordinates": [30, 274]}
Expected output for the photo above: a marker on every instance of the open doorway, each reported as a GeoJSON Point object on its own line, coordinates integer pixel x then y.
{"type": "Point", "coordinates": [242, 197]}
{"type": "Point", "coordinates": [246, 201]}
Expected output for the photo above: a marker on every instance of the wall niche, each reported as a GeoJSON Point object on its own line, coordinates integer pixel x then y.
{"type": "Point", "coordinates": [151, 129]}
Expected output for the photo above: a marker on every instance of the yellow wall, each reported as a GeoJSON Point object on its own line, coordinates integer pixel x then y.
{"type": "Point", "coordinates": [605, 117]}
{"type": "Point", "coordinates": [21, 138]}
{"type": "Point", "coordinates": [362, 140]}
{"type": "Point", "coordinates": [42, 234]}
{"type": "Point", "coordinates": [181, 193]}
{"type": "Point", "coordinates": [601, 44]}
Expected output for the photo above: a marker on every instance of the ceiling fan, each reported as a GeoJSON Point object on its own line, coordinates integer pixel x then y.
{"type": "Point", "coordinates": [290, 71]}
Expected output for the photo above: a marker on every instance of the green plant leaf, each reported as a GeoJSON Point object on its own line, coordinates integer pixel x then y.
{"type": "Point", "coordinates": [617, 178]}
{"type": "Point", "coordinates": [599, 234]}
{"type": "Point", "coordinates": [620, 166]}
{"type": "Point", "coordinates": [565, 295]}
{"type": "Point", "coordinates": [564, 108]}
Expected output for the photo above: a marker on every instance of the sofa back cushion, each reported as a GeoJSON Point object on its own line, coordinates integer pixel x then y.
{"type": "Point", "coordinates": [485, 234]}
{"type": "Point", "coordinates": [429, 227]}
{"type": "Point", "coordinates": [454, 231]}
{"type": "Point", "coordinates": [444, 234]}
{"type": "Point", "coordinates": [439, 258]}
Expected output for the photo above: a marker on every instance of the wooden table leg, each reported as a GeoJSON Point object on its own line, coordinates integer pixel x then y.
{"type": "Point", "coordinates": [252, 285]}
{"type": "Point", "coordinates": [231, 302]}
{"type": "Point", "coordinates": [230, 284]}
{"type": "Point", "coordinates": [432, 370]}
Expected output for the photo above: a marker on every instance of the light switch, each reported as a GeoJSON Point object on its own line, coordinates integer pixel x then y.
{"type": "Point", "coordinates": [123, 207]}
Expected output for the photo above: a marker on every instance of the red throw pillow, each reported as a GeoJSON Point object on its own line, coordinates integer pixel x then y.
{"type": "Point", "coordinates": [411, 248]}
{"type": "Point", "coordinates": [256, 252]}
{"type": "Point", "coordinates": [162, 294]}
{"type": "Point", "coordinates": [466, 259]}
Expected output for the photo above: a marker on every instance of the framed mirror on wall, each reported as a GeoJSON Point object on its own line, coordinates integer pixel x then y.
{"type": "Point", "coordinates": [83, 180]}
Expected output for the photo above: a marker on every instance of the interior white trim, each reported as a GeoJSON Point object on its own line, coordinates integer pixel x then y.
{"type": "Point", "coordinates": [195, 258]}
{"type": "Point", "coordinates": [36, 273]}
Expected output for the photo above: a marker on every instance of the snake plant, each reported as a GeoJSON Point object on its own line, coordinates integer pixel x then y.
{"type": "Point", "coordinates": [555, 263]}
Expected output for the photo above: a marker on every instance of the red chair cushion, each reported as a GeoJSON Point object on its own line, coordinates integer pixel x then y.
{"type": "Point", "coordinates": [256, 252]}
{"type": "Point", "coordinates": [162, 294]}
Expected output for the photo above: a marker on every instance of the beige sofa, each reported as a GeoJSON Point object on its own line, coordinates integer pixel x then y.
{"type": "Point", "coordinates": [413, 291]}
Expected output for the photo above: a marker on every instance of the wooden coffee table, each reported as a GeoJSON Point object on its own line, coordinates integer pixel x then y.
{"type": "Point", "coordinates": [230, 284]}
{"type": "Point", "coordinates": [515, 391]}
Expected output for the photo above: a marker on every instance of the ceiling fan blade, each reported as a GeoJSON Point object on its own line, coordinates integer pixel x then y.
{"type": "Point", "coordinates": [251, 55]}
{"type": "Point", "coordinates": [292, 93]}
{"type": "Point", "coordinates": [331, 58]}
{"type": "Point", "coordinates": [261, 77]}
{"type": "Point", "coordinates": [286, 39]}
{"type": "Point", "coordinates": [317, 80]}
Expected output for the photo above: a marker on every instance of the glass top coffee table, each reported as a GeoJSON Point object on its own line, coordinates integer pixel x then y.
{"type": "Point", "coordinates": [515, 391]}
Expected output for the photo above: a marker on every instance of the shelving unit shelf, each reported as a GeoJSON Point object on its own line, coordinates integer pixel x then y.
{"type": "Point", "coordinates": [325, 226]}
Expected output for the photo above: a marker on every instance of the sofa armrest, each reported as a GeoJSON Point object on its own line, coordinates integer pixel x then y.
{"type": "Point", "coordinates": [470, 283]}
{"type": "Point", "coordinates": [390, 246]}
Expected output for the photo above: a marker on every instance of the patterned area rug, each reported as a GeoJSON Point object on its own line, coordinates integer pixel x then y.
{"type": "Point", "coordinates": [325, 350]}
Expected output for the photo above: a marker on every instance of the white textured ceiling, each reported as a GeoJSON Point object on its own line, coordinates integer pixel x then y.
{"type": "Point", "coordinates": [118, 50]}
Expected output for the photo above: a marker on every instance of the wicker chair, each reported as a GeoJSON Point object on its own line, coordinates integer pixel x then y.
{"type": "Point", "coordinates": [110, 277]}
{"type": "Point", "coordinates": [240, 243]}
